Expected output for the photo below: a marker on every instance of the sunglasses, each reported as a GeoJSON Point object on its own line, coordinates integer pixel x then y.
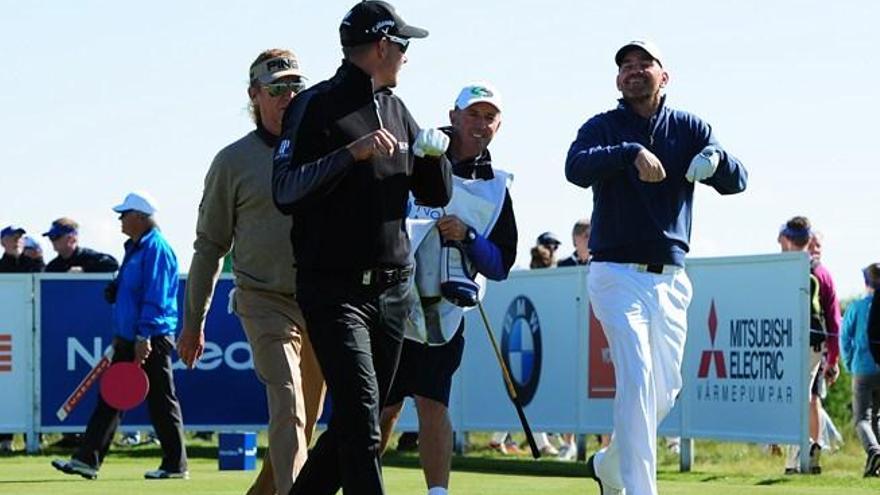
{"type": "Point", "coordinates": [122, 214]}
{"type": "Point", "coordinates": [283, 88]}
{"type": "Point", "coordinates": [403, 43]}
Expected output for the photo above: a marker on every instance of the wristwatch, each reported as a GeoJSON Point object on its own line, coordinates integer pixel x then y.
{"type": "Point", "coordinates": [470, 236]}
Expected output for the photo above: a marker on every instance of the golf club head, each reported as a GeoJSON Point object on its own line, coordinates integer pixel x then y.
{"type": "Point", "coordinates": [462, 293]}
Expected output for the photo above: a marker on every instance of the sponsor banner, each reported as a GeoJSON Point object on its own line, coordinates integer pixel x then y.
{"type": "Point", "coordinates": [535, 316]}
{"type": "Point", "coordinates": [747, 348]}
{"type": "Point", "coordinates": [16, 351]}
{"type": "Point", "coordinates": [75, 326]}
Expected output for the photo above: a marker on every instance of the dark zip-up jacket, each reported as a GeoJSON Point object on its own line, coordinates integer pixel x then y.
{"type": "Point", "coordinates": [349, 215]}
{"type": "Point", "coordinates": [89, 260]}
{"type": "Point", "coordinates": [635, 221]}
{"type": "Point", "coordinates": [20, 264]}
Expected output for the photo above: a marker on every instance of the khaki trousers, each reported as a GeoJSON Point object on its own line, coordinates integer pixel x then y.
{"type": "Point", "coordinates": [286, 365]}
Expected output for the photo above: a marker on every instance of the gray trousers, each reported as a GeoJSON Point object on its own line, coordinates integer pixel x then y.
{"type": "Point", "coordinates": [866, 410]}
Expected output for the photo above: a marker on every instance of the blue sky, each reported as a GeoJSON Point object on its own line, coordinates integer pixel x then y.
{"type": "Point", "coordinates": [103, 97]}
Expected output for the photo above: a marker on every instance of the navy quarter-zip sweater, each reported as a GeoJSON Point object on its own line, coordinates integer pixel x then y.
{"type": "Point", "coordinates": [635, 221]}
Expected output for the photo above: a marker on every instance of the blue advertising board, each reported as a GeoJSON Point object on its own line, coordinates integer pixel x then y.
{"type": "Point", "coordinates": [221, 392]}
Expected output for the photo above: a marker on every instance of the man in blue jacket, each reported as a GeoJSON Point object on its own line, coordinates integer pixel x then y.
{"type": "Point", "coordinates": [642, 160]}
{"type": "Point", "coordinates": [144, 318]}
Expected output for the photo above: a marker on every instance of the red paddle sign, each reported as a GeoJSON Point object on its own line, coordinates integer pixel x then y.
{"type": "Point", "coordinates": [124, 385]}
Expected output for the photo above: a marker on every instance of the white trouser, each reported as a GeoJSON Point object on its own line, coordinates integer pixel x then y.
{"type": "Point", "coordinates": [644, 316]}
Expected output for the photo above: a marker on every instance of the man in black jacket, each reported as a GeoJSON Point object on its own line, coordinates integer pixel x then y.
{"type": "Point", "coordinates": [64, 235]}
{"type": "Point", "coordinates": [14, 259]}
{"type": "Point", "coordinates": [344, 169]}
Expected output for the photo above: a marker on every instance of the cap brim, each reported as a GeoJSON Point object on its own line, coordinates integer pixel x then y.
{"type": "Point", "coordinates": [618, 57]}
{"type": "Point", "coordinates": [408, 31]}
{"type": "Point", "coordinates": [490, 101]}
{"type": "Point", "coordinates": [119, 209]}
{"type": "Point", "coordinates": [270, 78]}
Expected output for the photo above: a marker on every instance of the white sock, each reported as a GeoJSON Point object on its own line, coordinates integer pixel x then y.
{"type": "Point", "coordinates": [437, 490]}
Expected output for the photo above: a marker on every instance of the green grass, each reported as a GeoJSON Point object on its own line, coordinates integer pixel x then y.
{"type": "Point", "coordinates": [719, 468]}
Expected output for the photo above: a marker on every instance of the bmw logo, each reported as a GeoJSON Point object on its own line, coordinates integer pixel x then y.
{"type": "Point", "coordinates": [521, 347]}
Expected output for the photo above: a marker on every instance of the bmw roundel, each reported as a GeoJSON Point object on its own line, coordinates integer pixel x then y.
{"type": "Point", "coordinates": [521, 347]}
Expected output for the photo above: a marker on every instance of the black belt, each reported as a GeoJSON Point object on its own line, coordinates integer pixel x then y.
{"type": "Point", "coordinates": [380, 277]}
{"type": "Point", "coordinates": [385, 276]}
{"type": "Point", "coordinates": [654, 268]}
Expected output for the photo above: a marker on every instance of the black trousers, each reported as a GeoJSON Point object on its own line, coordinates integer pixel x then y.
{"type": "Point", "coordinates": [161, 401]}
{"type": "Point", "coordinates": [357, 334]}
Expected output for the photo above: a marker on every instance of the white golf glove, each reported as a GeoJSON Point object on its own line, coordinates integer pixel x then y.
{"type": "Point", "coordinates": [703, 165]}
{"type": "Point", "coordinates": [430, 142]}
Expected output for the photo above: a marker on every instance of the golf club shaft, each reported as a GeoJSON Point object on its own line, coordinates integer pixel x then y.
{"type": "Point", "coordinates": [511, 389]}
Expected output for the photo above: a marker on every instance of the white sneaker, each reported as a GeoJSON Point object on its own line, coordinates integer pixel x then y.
{"type": "Point", "coordinates": [603, 490]}
{"type": "Point", "coordinates": [549, 450]}
{"type": "Point", "coordinates": [568, 452]}
{"type": "Point", "coordinates": [130, 440]}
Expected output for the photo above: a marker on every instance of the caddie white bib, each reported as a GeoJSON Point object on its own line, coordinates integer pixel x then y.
{"type": "Point", "coordinates": [478, 203]}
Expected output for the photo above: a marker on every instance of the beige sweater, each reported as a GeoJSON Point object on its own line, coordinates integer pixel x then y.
{"type": "Point", "coordinates": [237, 212]}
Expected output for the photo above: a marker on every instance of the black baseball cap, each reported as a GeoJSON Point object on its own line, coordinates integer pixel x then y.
{"type": "Point", "coordinates": [371, 20]}
{"type": "Point", "coordinates": [548, 238]}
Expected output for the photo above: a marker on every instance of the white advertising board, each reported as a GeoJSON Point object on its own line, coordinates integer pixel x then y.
{"type": "Point", "coordinates": [535, 316]}
{"type": "Point", "coordinates": [16, 352]}
{"type": "Point", "coordinates": [748, 329]}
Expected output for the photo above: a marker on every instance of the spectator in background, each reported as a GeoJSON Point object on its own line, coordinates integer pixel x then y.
{"type": "Point", "coordinates": [34, 251]}
{"type": "Point", "coordinates": [64, 235]}
{"type": "Point", "coordinates": [144, 320]}
{"type": "Point", "coordinates": [14, 259]}
{"type": "Point", "coordinates": [856, 354]}
{"type": "Point", "coordinates": [795, 235]}
{"type": "Point", "coordinates": [542, 257]}
{"type": "Point", "coordinates": [829, 434]}
{"type": "Point", "coordinates": [550, 241]}
{"type": "Point", "coordinates": [580, 237]}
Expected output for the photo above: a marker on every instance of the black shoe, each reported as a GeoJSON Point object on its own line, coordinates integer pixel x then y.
{"type": "Point", "coordinates": [815, 453]}
{"type": "Point", "coordinates": [75, 466]}
{"type": "Point", "coordinates": [872, 465]}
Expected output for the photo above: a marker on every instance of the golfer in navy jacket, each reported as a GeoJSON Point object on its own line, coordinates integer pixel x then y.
{"type": "Point", "coordinates": [642, 160]}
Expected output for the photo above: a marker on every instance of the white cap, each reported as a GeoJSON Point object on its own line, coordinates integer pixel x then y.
{"type": "Point", "coordinates": [478, 92]}
{"type": "Point", "coordinates": [137, 201]}
{"type": "Point", "coordinates": [645, 45]}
